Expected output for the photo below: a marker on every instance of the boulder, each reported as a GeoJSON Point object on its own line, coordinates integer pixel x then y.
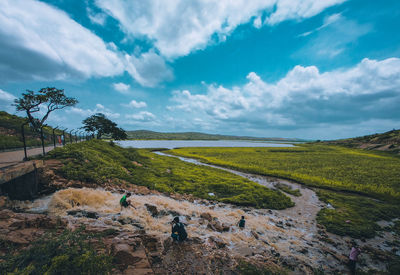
{"type": "Point", "coordinates": [152, 209]}
{"type": "Point", "coordinates": [217, 226]}
{"type": "Point", "coordinates": [206, 216]}
{"type": "Point", "coordinates": [218, 242]}
{"type": "Point", "coordinates": [123, 255]}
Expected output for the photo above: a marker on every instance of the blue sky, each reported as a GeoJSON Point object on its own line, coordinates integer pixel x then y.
{"type": "Point", "coordinates": [273, 68]}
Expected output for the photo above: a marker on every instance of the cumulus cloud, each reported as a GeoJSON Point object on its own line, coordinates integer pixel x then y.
{"type": "Point", "coordinates": [88, 112]}
{"type": "Point", "coordinates": [41, 42]}
{"type": "Point", "coordinates": [305, 97]}
{"type": "Point", "coordinates": [136, 104]}
{"type": "Point", "coordinates": [143, 116]}
{"type": "Point", "coordinates": [38, 41]}
{"type": "Point", "coordinates": [179, 27]}
{"type": "Point", "coordinates": [121, 87]}
{"type": "Point", "coordinates": [149, 69]}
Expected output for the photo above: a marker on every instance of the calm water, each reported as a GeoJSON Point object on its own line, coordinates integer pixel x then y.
{"type": "Point", "coordinates": [170, 144]}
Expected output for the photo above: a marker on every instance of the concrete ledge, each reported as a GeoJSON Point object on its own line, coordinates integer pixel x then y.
{"type": "Point", "coordinates": [17, 170]}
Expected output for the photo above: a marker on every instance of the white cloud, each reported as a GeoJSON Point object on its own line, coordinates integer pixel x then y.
{"type": "Point", "coordinates": [39, 41]}
{"type": "Point", "coordinates": [135, 104]}
{"type": "Point", "coordinates": [292, 9]}
{"type": "Point", "coordinates": [88, 112]}
{"type": "Point", "coordinates": [96, 18]}
{"type": "Point", "coordinates": [327, 21]}
{"type": "Point", "coordinates": [304, 97]}
{"type": "Point", "coordinates": [6, 99]}
{"type": "Point", "coordinates": [149, 69]}
{"type": "Point", "coordinates": [324, 42]}
{"type": "Point", "coordinates": [143, 116]}
{"type": "Point", "coordinates": [122, 87]}
{"type": "Point", "coordinates": [179, 27]}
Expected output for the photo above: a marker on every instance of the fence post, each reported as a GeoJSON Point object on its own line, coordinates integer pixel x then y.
{"type": "Point", "coordinates": [70, 136]}
{"type": "Point", "coordinates": [54, 137]}
{"type": "Point", "coordinates": [23, 139]}
{"type": "Point", "coordinates": [42, 138]}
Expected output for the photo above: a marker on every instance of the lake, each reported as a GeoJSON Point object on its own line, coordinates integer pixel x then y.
{"type": "Point", "coordinates": [171, 144]}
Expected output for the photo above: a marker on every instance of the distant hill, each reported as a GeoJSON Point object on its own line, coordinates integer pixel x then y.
{"type": "Point", "coordinates": [144, 134]}
{"type": "Point", "coordinates": [388, 141]}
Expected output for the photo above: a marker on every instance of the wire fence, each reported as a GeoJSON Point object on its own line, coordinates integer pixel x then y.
{"type": "Point", "coordinates": [19, 141]}
{"type": "Point", "coordinates": [57, 137]}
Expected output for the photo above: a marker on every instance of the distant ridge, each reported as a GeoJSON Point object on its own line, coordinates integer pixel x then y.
{"type": "Point", "coordinates": [145, 134]}
{"type": "Point", "coordinates": [388, 141]}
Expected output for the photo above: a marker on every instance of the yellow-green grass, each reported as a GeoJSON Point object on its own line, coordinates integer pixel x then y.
{"type": "Point", "coordinates": [332, 167]}
{"type": "Point", "coordinates": [99, 162]}
{"type": "Point", "coordinates": [362, 186]}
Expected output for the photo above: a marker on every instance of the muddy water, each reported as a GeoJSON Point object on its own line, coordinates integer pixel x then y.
{"type": "Point", "coordinates": [265, 230]}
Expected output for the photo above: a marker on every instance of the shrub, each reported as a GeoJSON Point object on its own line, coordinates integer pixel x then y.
{"type": "Point", "coordinates": [70, 252]}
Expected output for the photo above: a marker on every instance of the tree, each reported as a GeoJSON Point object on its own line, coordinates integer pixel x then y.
{"type": "Point", "coordinates": [50, 98]}
{"type": "Point", "coordinates": [98, 124]}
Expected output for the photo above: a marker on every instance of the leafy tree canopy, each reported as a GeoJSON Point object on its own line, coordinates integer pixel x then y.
{"type": "Point", "coordinates": [99, 124]}
{"type": "Point", "coordinates": [50, 99]}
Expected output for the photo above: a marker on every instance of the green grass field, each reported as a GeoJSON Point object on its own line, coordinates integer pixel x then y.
{"type": "Point", "coordinates": [363, 186]}
{"type": "Point", "coordinates": [100, 162]}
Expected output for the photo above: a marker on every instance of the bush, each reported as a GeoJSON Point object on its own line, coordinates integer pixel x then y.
{"type": "Point", "coordinates": [71, 252]}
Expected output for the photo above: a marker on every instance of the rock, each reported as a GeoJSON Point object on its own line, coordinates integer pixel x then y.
{"type": "Point", "coordinates": [123, 255]}
{"type": "Point", "coordinates": [279, 224]}
{"type": "Point", "coordinates": [218, 242]}
{"type": "Point", "coordinates": [255, 235]}
{"type": "Point", "coordinates": [3, 201]}
{"type": "Point", "coordinates": [303, 250]}
{"type": "Point", "coordinates": [83, 213]}
{"type": "Point", "coordinates": [289, 261]}
{"type": "Point", "coordinates": [152, 209]}
{"type": "Point", "coordinates": [168, 212]}
{"type": "Point", "coordinates": [128, 220]}
{"type": "Point", "coordinates": [5, 214]}
{"type": "Point", "coordinates": [206, 216]}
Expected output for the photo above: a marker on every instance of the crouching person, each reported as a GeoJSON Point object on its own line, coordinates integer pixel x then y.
{"type": "Point", "coordinates": [178, 230]}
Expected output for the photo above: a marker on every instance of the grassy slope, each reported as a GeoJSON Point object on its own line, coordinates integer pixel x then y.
{"type": "Point", "coordinates": [98, 161]}
{"type": "Point", "coordinates": [388, 141]}
{"type": "Point", "coordinates": [334, 168]}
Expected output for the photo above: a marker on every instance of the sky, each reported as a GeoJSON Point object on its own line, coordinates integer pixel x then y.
{"type": "Point", "coordinates": [268, 68]}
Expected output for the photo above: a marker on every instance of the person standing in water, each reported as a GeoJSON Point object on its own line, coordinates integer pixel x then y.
{"type": "Point", "coordinates": [124, 202]}
{"type": "Point", "coordinates": [242, 223]}
{"type": "Point", "coordinates": [178, 230]}
{"type": "Point", "coordinates": [355, 251]}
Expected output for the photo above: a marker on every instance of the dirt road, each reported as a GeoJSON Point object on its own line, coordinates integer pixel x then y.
{"type": "Point", "coordinates": [12, 157]}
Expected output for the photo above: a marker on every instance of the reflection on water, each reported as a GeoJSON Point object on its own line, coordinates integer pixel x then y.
{"type": "Point", "coordinates": [170, 144]}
